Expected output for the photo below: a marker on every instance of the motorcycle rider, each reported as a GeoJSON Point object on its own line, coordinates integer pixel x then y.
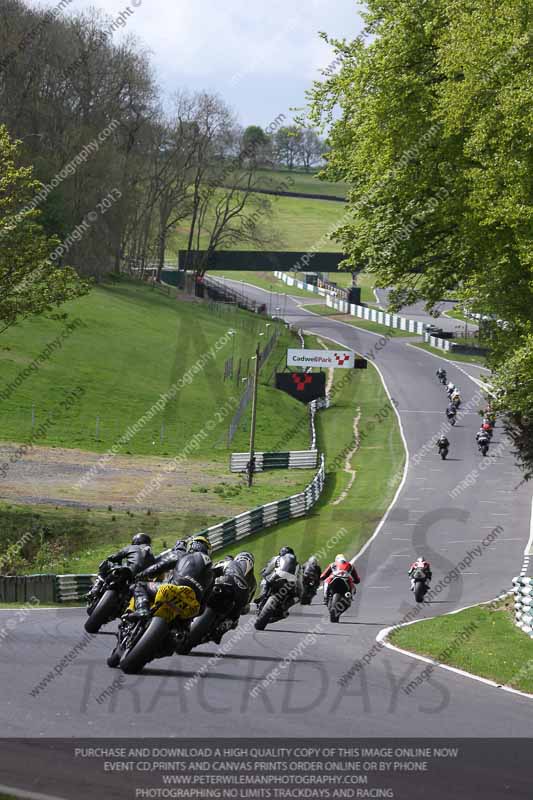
{"type": "Point", "coordinates": [441, 374]}
{"type": "Point", "coordinates": [450, 388]}
{"type": "Point", "coordinates": [482, 438]}
{"type": "Point", "coordinates": [341, 565]}
{"type": "Point", "coordinates": [272, 566]}
{"type": "Point", "coordinates": [190, 567]}
{"type": "Point", "coordinates": [456, 396]}
{"type": "Point", "coordinates": [442, 443]}
{"type": "Point", "coordinates": [451, 410]}
{"type": "Point", "coordinates": [240, 571]}
{"type": "Point", "coordinates": [422, 564]}
{"type": "Point", "coordinates": [137, 556]}
{"type": "Point", "coordinates": [312, 571]}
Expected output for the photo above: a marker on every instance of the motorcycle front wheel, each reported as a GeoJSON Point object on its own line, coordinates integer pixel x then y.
{"type": "Point", "coordinates": [267, 613]}
{"type": "Point", "coordinates": [200, 628]}
{"type": "Point", "coordinates": [105, 610]}
{"type": "Point", "coordinates": [146, 648]}
{"type": "Point", "coordinates": [335, 605]}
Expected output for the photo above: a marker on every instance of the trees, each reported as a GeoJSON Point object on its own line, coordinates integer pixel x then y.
{"type": "Point", "coordinates": [433, 137]}
{"type": "Point", "coordinates": [30, 281]}
{"type": "Point", "coordinates": [286, 145]}
{"type": "Point", "coordinates": [311, 148]}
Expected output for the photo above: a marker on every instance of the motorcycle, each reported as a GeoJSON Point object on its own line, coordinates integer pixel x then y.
{"type": "Point", "coordinates": [452, 419]}
{"type": "Point", "coordinates": [339, 596]}
{"type": "Point", "coordinates": [443, 451]}
{"type": "Point", "coordinates": [484, 448]}
{"type": "Point", "coordinates": [421, 586]}
{"type": "Point", "coordinates": [456, 401]}
{"type": "Point", "coordinates": [280, 594]}
{"type": "Point", "coordinates": [160, 633]}
{"type": "Point", "coordinates": [309, 590]}
{"type": "Point", "coordinates": [215, 621]}
{"type": "Point", "coordinates": [111, 600]}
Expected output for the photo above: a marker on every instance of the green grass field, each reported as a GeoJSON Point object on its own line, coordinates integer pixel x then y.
{"type": "Point", "coordinates": [134, 344]}
{"type": "Point", "coordinates": [303, 182]}
{"type": "Point", "coordinates": [296, 224]}
{"type": "Point", "coordinates": [380, 457]}
{"type": "Point", "coordinates": [480, 640]}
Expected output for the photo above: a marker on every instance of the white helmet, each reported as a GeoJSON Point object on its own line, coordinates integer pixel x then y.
{"type": "Point", "coordinates": [340, 558]}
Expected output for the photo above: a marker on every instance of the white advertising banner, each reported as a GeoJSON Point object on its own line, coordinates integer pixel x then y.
{"type": "Point", "coordinates": [325, 359]}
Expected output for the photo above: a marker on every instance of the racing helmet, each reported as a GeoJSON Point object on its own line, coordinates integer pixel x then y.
{"type": "Point", "coordinates": [181, 544]}
{"type": "Point", "coordinates": [285, 551]}
{"type": "Point", "coordinates": [199, 544]}
{"type": "Point", "coordinates": [340, 558]}
{"type": "Point", "coordinates": [141, 538]}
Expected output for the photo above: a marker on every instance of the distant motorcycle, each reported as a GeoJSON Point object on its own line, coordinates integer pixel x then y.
{"type": "Point", "coordinates": [112, 599]}
{"type": "Point", "coordinates": [421, 586]}
{"type": "Point", "coordinates": [443, 451]}
{"type": "Point", "coordinates": [484, 448]}
{"type": "Point", "coordinates": [452, 418]}
{"type": "Point", "coordinates": [339, 596]}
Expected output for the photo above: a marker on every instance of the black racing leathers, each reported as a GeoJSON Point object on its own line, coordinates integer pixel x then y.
{"type": "Point", "coordinates": [244, 585]}
{"type": "Point", "coordinates": [190, 569]}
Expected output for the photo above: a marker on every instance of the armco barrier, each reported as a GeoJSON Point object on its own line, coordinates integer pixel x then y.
{"type": "Point", "coordinates": [23, 588]}
{"type": "Point", "coordinates": [523, 603]}
{"type": "Point", "coordinates": [232, 530]}
{"type": "Point", "coordinates": [292, 459]}
{"type": "Point", "coordinates": [379, 317]}
{"type": "Point", "coordinates": [73, 587]}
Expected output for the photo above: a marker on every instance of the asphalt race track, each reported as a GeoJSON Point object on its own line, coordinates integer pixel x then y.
{"type": "Point", "coordinates": [307, 698]}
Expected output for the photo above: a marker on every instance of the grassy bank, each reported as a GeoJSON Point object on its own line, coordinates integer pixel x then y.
{"type": "Point", "coordinates": [380, 455]}
{"type": "Point", "coordinates": [480, 640]}
{"type": "Point", "coordinates": [130, 345]}
{"type": "Point", "coordinates": [303, 182]}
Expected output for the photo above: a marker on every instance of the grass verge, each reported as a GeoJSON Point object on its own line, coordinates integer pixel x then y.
{"type": "Point", "coordinates": [480, 640]}
{"type": "Point", "coordinates": [478, 360]}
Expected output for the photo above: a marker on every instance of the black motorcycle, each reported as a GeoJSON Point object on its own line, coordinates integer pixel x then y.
{"type": "Point", "coordinates": [216, 620]}
{"type": "Point", "coordinates": [421, 586]}
{"type": "Point", "coordinates": [309, 590]}
{"type": "Point", "coordinates": [443, 451]}
{"type": "Point", "coordinates": [452, 419]}
{"type": "Point", "coordinates": [111, 600]}
{"type": "Point", "coordinates": [281, 591]}
{"type": "Point", "coordinates": [338, 597]}
{"type": "Point", "coordinates": [483, 448]}
{"type": "Point", "coordinates": [443, 379]}
{"type": "Point", "coordinates": [159, 634]}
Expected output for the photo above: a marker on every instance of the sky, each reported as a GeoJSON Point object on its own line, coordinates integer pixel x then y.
{"type": "Point", "coordinates": [260, 56]}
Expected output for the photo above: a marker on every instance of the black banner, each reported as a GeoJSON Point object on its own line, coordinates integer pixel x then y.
{"type": "Point", "coordinates": [305, 386]}
{"type": "Point", "coordinates": [293, 769]}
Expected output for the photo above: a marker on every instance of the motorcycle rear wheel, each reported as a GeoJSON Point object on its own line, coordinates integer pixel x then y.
{"type": "Point", "coordinates": [146, 648]}
{"type": "Point", "coordinates": [335, 604]}
{"type": "Point", "coordinates": [420, 591]}
{"type": "Point", "coordinates": [105, 610]}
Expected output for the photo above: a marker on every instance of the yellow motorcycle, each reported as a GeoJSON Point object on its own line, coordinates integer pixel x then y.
{"type": "Point", "coordinates": [160, 633]}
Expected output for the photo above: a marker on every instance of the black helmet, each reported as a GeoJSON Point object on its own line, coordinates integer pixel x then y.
{"type": "Point", "coordinates": [285, 551]}
{"type": "Point", "coordinates": [199, 544]}
{"type": "Point", "coordinates": [141, 538]}
{"type": "Point", "coordinates": [181, 544]}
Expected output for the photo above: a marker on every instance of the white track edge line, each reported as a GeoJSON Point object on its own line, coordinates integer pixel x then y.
{"type": "Point", "coordinates": [16, 792]}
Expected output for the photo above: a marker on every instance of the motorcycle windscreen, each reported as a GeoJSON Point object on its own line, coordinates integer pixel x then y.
{"type": "Point", "coordinates": [176, 601]}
